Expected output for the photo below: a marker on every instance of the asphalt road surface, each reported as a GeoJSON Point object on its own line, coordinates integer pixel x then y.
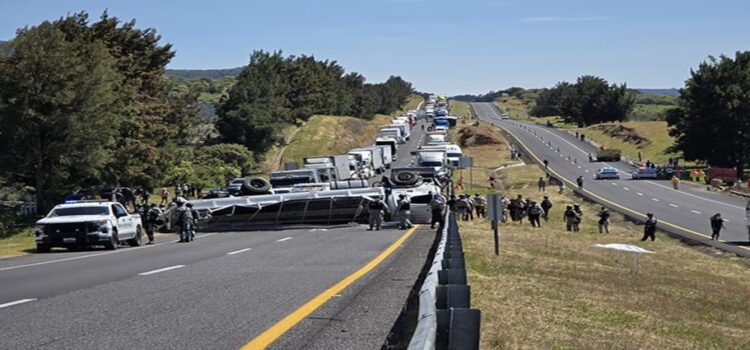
{"type": "Point", "coordinates": [218, 292]}
{"type": "Point", "coordinates": [685, 211]}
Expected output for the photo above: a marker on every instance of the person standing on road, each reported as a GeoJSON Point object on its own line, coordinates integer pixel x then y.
{"type": "Point", "coordinates": [151, 216]}
{"type": "Point", "coordinates": [534, 213]}
{"type": "Point", "coordinates": [404, 210]}
{"type": "Point", "coordinates": [649, 228]}
{"type": "Point", "coordinates": [579, 181]}
{"type": "Point", "coordinates": [675, 182]}
{"type": "Point", "coordinates": [546, 164]}
{"type": "Point", "coordinates": [184, 221]}
{"type": "Point", "coordinates": [376, 211]}
{"type": "Point", "coordinates": [603, 220]}
{"type": "Point", "coordinates": [546, 206]}
{"type": "Point", "coordinates": [481, 206]}
{"type": "Point", "coordinates": [542, 184]}
{"type": "Point", "coordinates": [717, 223]}
{"type": "Point", "coordinates": [437, 205]}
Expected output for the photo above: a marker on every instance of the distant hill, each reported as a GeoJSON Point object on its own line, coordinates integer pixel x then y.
{"type": "Point", "coordinates": [204, 73]}
{"type": "Point", "coordinates": [670, 92]}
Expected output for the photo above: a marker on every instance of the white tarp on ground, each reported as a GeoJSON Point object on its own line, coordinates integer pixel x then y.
{"type": "Point", "coordinates": [624, 247]}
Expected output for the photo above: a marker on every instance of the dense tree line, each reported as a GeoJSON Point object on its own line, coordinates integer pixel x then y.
{"type": "Point", "coordinates": [590, 100]}
{"type": "Point", "coordinates": [87, 104]}
{"type": "Point", "coordinates": [274, 91]}
{"type": "Point", "coordinates": [712, 123]}
{"type": "Point", "coordinates": [204, 73]}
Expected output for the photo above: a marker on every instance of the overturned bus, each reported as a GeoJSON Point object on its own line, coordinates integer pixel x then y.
{"type": "Point", "coordinates": [328, 207]}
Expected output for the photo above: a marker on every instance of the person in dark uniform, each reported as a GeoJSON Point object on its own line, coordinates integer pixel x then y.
{"type": "Point", "coordinates": [649, 228]}
{"type": "Point", "coordinates": [151, 216]}
{"type": "Point", "coordinates": [579, 181]}
{"type": "Point", "coordinates": [717, 223]}
{"type": "Point", "coordinates": [376, 211]}
{"type": "Point", "coordinates": [546, 206]}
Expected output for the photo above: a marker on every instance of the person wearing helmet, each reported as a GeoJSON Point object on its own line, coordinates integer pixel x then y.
{"type": "Point", "coordinates": [404, 210]}
{"type": "Point", "coordinates": [649, 228]}
{"type": "Point", "coordinates": [376, 211]}
{"type": "Point", "coordinates": [717, 223]}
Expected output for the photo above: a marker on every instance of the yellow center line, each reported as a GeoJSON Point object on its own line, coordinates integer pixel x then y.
{"type": "Point", "coordinates": [277, 330]}
{"type": "Point", "coordinates": [608, 201]}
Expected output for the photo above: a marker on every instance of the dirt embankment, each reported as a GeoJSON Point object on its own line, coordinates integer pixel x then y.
{"type": "Point", "coordinates": [623, 133]}
{"type": "Point", "coordinates": [472, 136]}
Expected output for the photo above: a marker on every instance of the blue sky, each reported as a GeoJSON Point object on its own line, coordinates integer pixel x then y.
{"type": "Point", "coordinates": [443, 46]}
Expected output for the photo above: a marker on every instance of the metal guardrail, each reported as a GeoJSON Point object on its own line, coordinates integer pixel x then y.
{"type": "Point", "coordinates": [446, 319]}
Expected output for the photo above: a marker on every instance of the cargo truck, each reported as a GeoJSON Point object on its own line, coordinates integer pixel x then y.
{"type": "Point", "coordinates": [341, 165]}
{"type": "Point", "coordinates": [608, 155]}
{"type": "Point", "coordinates": [372, 160]}
{"type": "Point", "coordinates": [387, 141]}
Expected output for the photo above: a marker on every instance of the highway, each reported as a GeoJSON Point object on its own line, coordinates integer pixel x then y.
{"type": "Point", "coordinates": [219, 292]}
{"type": "Point", "coordinates": [685, 211]}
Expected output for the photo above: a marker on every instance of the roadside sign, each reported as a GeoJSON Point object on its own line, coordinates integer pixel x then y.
{"type": "Point", "coordinates": [494, 207]}
{"type": "Point", "coordinates": [466, 162]}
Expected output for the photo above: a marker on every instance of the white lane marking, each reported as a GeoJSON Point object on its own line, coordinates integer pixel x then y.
{"type": "Point", "coordinates": [694, 196]}
{"type": "Point", "coordinates": [284, 239]}
{"type": "Point", "coordinates": [239, 251]}
{"type": "Point", "coordinates": [586, 170]}
{"type": "Point", "coordinates": [695, 212]}
{"type": "Point", "coordinates": [160, 270]}
{"type": "Point", "coordinates": [655, 199]}
{"type": "Point", "coordinates": [614, 184]}
{"type": "Point", "coordinates": [81, 257]}
{"type": "Point", "coordinates": [673, 205]}
{"type": "Point", "coordinates": [626, 189]}
{"type": "Point", "coordinates": [638, 193]}
{"type": "Point", "coordinates": [579, 167]}
{"type": "Point", "coordinates": [15, 303]}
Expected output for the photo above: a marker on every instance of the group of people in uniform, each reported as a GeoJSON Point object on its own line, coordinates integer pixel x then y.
{"type": "Point", "coordinates": [465, 206]}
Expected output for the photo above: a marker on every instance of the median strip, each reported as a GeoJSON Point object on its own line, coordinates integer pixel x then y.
{"type": "Point", "coordinates": [160, 270]}
{"type": "Point", "coordinates": [12, 303]}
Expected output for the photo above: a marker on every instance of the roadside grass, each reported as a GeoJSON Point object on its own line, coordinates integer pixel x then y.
{"type": "Point", "coordinates": [18, 243]}
{"type": "Point", "coordinates": [654, 131]}
{"type": "Point", "coordinates": [487, 159]}
{"type": "Point", "coordinates": [642, 111]}
{"type": "Point", "coordinates": [461, 108]}
{"type": "Point", "coordinates": [550, 288]}
{"type": "Point", "coordinates": [274, 156]}
{"type": "Point", "coordinates": [514, 106]}
{"type": "Point", "coordinates": [325, 135]}
{"type": "Point", "coordinates": [411, 104]}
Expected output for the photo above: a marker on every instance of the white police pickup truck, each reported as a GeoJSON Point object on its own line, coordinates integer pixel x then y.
{"type": "Point", "coordinates": [88, 223]}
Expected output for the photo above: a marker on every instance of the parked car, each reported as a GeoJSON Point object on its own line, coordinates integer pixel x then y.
{"type": "Point", "coordinates": [216, 193]}
{"type": "Point", "coordinates": [88, 223]}
{"type": "Point", "coordinates": [607, 173]}
{"type": "Point", "coordinates": [235, 185]}
{"type": "Point", "coordinates": [644, 173]}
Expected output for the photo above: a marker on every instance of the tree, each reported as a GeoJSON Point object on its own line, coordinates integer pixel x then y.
{"type": "Point", "coordinates": [589, 101]}
{"type": "Point", "coordinates": [59, 113]}
{"type": "Point", "coordinates": [712, 122]}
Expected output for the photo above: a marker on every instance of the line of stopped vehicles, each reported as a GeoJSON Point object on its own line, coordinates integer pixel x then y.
{"type": "Point", "coordinates": [324, 191]}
